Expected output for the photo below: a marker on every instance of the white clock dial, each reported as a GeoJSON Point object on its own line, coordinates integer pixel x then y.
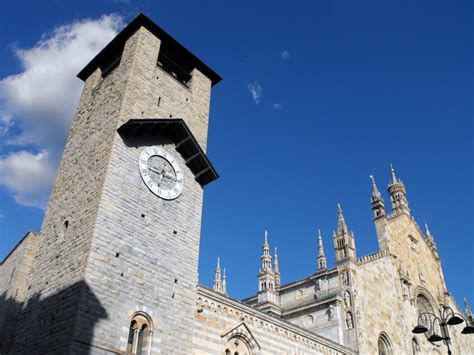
{"type": "Point", "coordinates": [161, 173]}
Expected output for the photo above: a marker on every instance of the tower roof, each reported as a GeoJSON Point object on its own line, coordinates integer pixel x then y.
{"type": "Point", "coordinates": [320, 244]}
{"type": "Point", "coordinates": [376, 195]}
{"type": "Point", "coordinates": [341, 223]}
{"type": "Point", "coordinates": [395, 180]}
{"type": "Point", "coordinates": [265, 243]}
{"type": "Point", "coordinates": [117, 44]}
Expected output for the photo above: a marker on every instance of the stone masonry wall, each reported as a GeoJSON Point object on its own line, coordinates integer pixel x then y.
{"type": "Point", "coordinates": [63, 252]}
{"type": "Point", "coordinates": [57, 281]}
{"type": "Point", "coordinates": [415, 259]}
{"type": "Point", "coordinates": [218, 319]}
{"type": "Point", "coordinates": [377, 304]}
{"type": "Point", "coordinates": [14, 271]}
{"type": "Point", "coordinates": [145, 251]}
{"type": "Point", "coordinates": [307, 305]}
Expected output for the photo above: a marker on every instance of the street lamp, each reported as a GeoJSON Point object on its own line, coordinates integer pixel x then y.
{"type": "Point", "coordinates": [448, 317]}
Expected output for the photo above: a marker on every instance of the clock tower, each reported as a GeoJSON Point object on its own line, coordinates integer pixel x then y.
{"type": "Point", "coordinates": [117, 266]}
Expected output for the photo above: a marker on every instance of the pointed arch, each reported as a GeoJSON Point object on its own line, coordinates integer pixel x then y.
{"type": "Point", "coordinates": [384, 345]}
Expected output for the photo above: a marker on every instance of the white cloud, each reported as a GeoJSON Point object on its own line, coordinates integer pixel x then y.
{"type": "Point", "coordinates": [285, 55]}
{"type": "Point", "coordinates": [6, 122]}
{"type": "Point", "coordinates": [277, 107]}
{"type": "Point", "coordinates": [41, 99]}
{"type": "Point", "coordinates": [28, 176]}
{"type": "Point", "coordinates": [256, 91]}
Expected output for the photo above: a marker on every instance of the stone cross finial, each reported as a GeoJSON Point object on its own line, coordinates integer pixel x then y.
{"type": "Point", "coordinates": [394, 177]}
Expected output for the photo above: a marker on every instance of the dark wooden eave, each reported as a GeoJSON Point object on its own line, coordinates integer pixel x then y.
{"type": "Point", "coordinates": [118, 43]}
{"type": "Point", "coordinates": [186, 144]}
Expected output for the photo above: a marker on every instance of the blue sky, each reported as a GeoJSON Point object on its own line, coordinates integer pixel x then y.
{"type": "Point", "coordinates": [316, 97]}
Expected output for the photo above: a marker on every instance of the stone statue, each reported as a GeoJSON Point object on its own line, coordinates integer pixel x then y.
{"type": "Point", "coordinates": [347, 299]}
{"type": "Point", "coordinates": [319, 285]}
{"type": "Point", "coordinates": [330, 312]}
{"type": "Point", "coordinates": [349, 321]}
{"type": "Point", "coordinates": [422, 278]}
{"type": "Point", "coordinates": [345, 278]}
{"type": "Point", "coordinates": [405, 289]}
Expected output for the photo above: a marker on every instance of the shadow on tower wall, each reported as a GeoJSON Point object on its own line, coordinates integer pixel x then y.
{"type": "Point", "coordinates": [50, 325]}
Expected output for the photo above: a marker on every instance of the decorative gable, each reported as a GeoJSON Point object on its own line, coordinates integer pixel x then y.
{"type": "Point", "coordinates": [240, 339]}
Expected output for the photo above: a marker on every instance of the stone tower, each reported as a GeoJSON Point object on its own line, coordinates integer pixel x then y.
{"type": "Point", "coordinates": [117, 264]}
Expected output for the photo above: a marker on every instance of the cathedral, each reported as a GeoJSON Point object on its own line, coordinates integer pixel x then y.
{"type": "Point", "coordinates": [100, 277]}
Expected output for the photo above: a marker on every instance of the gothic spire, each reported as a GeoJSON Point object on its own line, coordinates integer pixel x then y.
{"type": "Point", "coordinates": [341, 223]}
{"type": "Point", "coordinates": [394, 177]}
{"type": "Point", "coordinates": [276, 270]}
{"type": "Point", "coordinates": [268, 278]}
{"type": "Point", "coordinates": [376, 195]}
{"type": "Point", "coordinates": [469, 315]}
{"type": "Point", "coordinates": [428, 233]}
{"type": "Point", "coordinates": [397, 192]}
{"type": "Point", "coordinates": [276, 267]}
{"type": "Point", "coordinates": [343, 240]}
{"type": "Point", "coordinates": [321, 255]}
{"type": "Point", "coordinates": [266, 258]}
{"type": "Point", "coordinates": [431, 241]}
{"type": "Point", "coordinates": [376, 201]}
{"type": "Point", "coordinates": [217, 285]}
{"type": "Point", "coordinates": [320, 244]}
{"type": "Point", "coordinates": [224, 283]}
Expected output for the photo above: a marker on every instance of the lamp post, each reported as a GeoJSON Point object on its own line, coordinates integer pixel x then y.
{"type": "Point", "coordinates": [447, 317]}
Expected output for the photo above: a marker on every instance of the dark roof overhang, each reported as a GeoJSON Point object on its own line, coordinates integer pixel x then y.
{"type": "Point", "coordinates": [185, 143]}
{"type": "Point", "coordinates": [118, 43]}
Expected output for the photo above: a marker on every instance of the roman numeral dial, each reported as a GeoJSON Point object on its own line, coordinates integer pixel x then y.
{"type": "Point", "coordinates": [161, 173]}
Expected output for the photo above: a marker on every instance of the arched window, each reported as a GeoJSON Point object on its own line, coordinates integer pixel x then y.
{"type": "Point", "coordinates": [139, 334]}
{"type": "Point", "coordinates": [423, 305]}
{"type": "Point", "coordinates": [383, 345]}
{"type": "Point", "coordinates": [415, 347]}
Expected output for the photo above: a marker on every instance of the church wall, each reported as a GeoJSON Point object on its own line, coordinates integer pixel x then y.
{"type": "Point", "coordinates": [216, 316]}
{"type": "Point", "coordinates": [319, 322]}
{"type": "Point", "coordinates": [310, 290]}
{"type": "Point", "coordinates": [423, 270]}
{"type": "Point", "coordinates": [377, 304]}
{"type": "Point", "coordinates": [296, 296]}
{"type": "Point", "coordinates": [415, 258]}
{"type": "Point", "coordinates": [306, 304]}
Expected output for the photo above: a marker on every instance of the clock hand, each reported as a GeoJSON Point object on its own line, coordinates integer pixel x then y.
{"type": "Point", "coordinates": [161, 178]}
{"type": "Point", "coordinates": [171, 177]}
{"type": "Point", "coordinates": [154, 170]}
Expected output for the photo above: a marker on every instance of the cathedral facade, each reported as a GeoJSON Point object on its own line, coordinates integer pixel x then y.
{"type": "Point", "coordinates": [100, 277]}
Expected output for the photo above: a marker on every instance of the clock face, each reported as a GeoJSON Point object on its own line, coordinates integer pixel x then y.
{"type": "Point", "coordinates": [161, 173]}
